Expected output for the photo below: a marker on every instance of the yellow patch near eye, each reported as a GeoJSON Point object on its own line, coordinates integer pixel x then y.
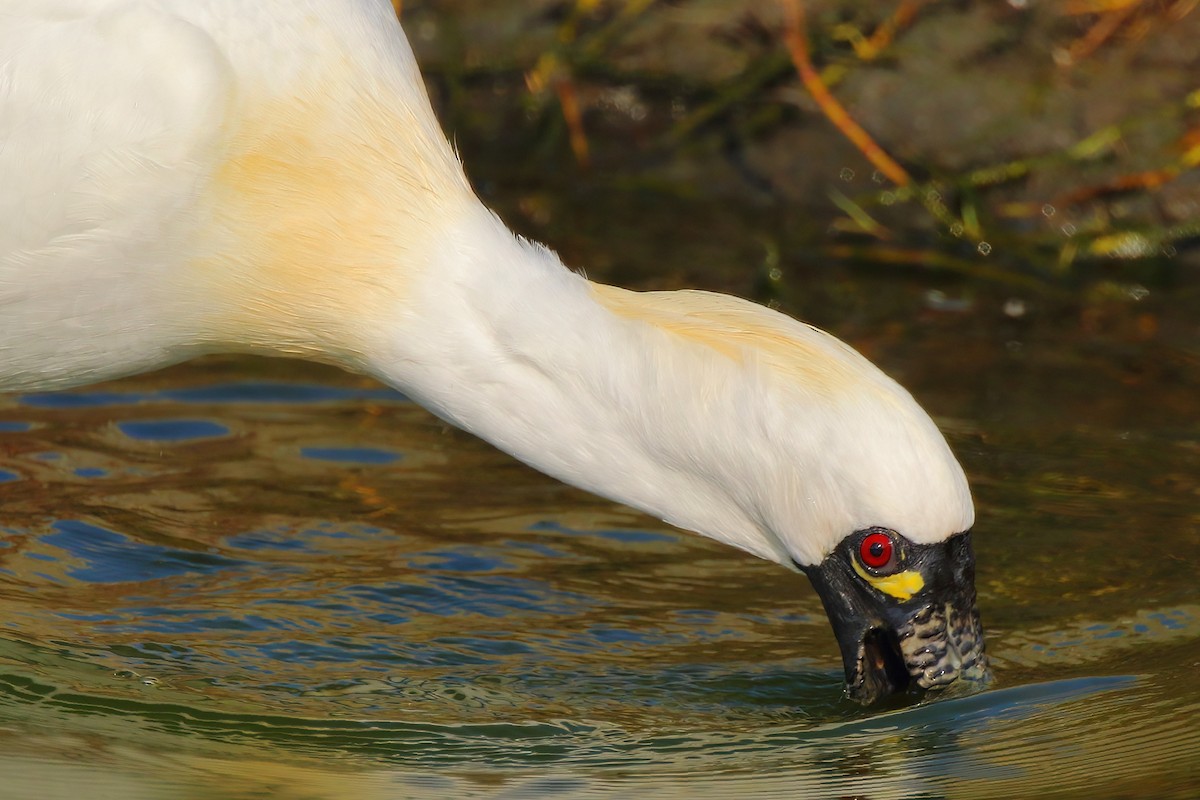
{"type": "Point", "coordinates": [901, 586]}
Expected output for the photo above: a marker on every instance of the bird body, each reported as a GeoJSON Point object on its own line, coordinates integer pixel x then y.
{"type": "Point", "coordinates": [205, 176]}
{"type": "Point", "coordinates": [196, 176]}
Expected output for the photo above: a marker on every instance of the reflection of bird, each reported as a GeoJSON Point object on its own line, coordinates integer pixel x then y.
{"type": "Point", "coordinates": [193, 176]}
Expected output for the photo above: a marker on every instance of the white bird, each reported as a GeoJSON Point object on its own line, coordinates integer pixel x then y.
{"type": "Point", "coordinates": [184, 177]}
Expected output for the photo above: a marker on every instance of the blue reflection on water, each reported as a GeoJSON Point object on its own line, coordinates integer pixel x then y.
{"type": "Point", "coordinates": [77, 399]}
{"type": "Point", "coordinates": [268, 541]}
{"type": "Point", "coordinates": [351, 455]}
{"type": "Point", "coordinates": [7, 426]}
{"type": "Point", "coordinates": [308, 539]}
{"type": "Point", "coordinates": [540, 549]}
{"type": "Point", "coordinates": [453, 594]}
{"type": "Point", "coordinates": [172, 430]}
{"type": "Point", "coordinates": [91, 472]}
{"type": "Point", "coordinates": [622, 535]}
{"type": "Point", "coordinates": [500, 646]}
{"type": "Point", "coordinates": [171, 619]}
{"type": "Point", "coordinates": [1163, 622]}
{"type": "Point", "coordinates": [1169, 623]}
{"type": "Point", "coordinates": [476, 560]}
{"type": "Point", "coordinates": [278, 392]}
{"type": "Point", "coordinates": [115, 558]}
{"type": "Point", "coordinates": [7, 477]}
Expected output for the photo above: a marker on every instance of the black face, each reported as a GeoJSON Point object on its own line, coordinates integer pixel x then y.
{"type": "Point", "coordinates": [904, 614]}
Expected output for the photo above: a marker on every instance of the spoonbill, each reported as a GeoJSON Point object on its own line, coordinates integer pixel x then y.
{"type": "Point", "coordinates": [182, 177]}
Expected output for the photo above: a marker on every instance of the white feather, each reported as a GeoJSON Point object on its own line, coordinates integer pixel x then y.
{"type": "Point", "coordinates": [191, 176]}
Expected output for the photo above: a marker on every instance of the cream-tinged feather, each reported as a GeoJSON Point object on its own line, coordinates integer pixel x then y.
{"type": "Point", "coordinates": [215, 175]}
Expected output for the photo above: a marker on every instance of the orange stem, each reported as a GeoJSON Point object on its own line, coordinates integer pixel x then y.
{"type": "Point", "coordinates": [885, 33]}
{"type": "Point", "coordinates": [569, 100]}
{"type": "Point", "coordinates": [795, 36]}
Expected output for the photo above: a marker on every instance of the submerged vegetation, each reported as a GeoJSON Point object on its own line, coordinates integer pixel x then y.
{"type": "Point", "coordinates": [1022, 143]}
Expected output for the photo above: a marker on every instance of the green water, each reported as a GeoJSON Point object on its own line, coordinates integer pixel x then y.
{"type": "Point", "coordinates": [250, 578]}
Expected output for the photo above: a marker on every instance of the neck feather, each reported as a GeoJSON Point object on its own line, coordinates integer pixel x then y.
{"type": "Point", "coordinates": [712, 413]}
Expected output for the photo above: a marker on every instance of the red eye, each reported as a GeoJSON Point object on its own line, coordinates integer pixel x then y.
{"type": "Point", "coordinates": [876, 550]}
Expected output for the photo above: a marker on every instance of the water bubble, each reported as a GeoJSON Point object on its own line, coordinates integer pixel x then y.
{"type": "Point", "coordinates": [846, 174]}
{"type": "Point", "coordinates": [933, 196]}
{"type": "Point", "coordinates": [1068, 229]}
{"type": "Point", "coordinates": [984, 249]}
{"type": "Point", "coordinates": [940, 301]}
{"type": "Point", "coordinates": [1014, 307]}
{"type": "Point", "coordinates": [956, 229]}
{"type": "Point", "coordinates": [775, 273]}
{"type": "Point", "coordinates": [887, 198]}
{"type": "Point", "coordinates": [150, 681]}
{"type": "Point", "coordinates": [1169, 250]}
{"type": "Point", "coordinates": [1137, 292]}
{"type": "Point", "coordinates": [625, 100]}
{"type": "Point", "coordinates": [1048, 210]}
{"type": "Point", "coordinates": [427, 29]}
{"type": "Point", "coordinates": [877, 176]}
{"type": "Point", "coordinates": [1125, 245]}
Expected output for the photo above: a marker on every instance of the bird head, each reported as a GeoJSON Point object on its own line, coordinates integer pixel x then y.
{"type": "Point", "coordinates": [904, 614]}
{"type": "Point", "coordinates": [834, 469]}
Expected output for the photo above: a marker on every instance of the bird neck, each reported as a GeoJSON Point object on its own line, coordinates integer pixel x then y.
{"type": "Point", "coordinates": [496, 336]}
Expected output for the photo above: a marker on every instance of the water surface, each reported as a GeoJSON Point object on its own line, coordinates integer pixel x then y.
{"type": "Point", "coordinates": [244, 578]}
